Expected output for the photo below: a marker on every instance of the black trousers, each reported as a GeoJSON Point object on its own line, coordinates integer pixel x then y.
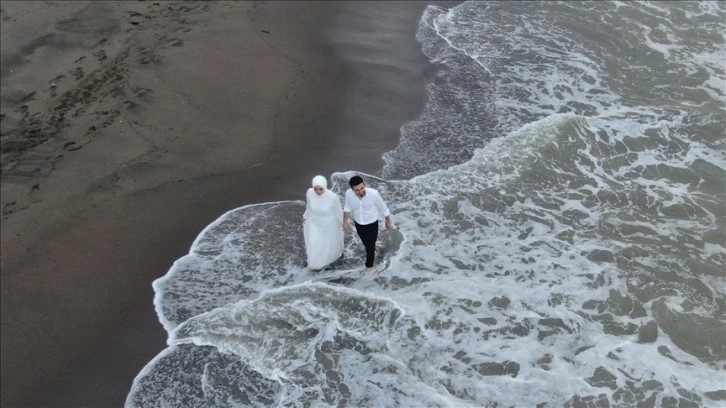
{"type": "Point", "coordinates": [369, 235]}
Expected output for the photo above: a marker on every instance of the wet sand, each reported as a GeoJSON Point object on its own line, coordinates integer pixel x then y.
{"type": "Point", "coordinates": [128, 127]}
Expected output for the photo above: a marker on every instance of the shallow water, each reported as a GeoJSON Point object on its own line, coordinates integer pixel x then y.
{"type": "Point", "coordinates": [560, 235]}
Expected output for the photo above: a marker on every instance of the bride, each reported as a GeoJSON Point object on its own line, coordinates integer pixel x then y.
{"type": "Point", "coordinates": [322, 225]}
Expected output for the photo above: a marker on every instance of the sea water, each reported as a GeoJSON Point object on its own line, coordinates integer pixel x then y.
{"type": "Point", "coordinates": [560, 235]}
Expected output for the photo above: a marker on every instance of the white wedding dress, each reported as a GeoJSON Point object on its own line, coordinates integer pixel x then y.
{"type": "Point", "coordinates": [323, 228]}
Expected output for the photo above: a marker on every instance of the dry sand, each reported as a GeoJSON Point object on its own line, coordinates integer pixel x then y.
{"type": "Point", "coordinates": [127, 127]}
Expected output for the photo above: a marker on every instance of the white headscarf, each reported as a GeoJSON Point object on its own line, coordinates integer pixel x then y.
{"type": "Point", "coordinates": [320, 181]}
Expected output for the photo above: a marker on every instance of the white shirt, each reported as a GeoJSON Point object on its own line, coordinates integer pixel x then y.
{"type": "Point", "coordinates": [366, 210]}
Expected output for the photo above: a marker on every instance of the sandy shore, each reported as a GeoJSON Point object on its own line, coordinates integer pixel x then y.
{"type": "Point", "coordinates": [127, 127]}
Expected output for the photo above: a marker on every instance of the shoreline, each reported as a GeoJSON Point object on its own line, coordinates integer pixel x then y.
{"type": "Point", "coordinates": [88, 232]}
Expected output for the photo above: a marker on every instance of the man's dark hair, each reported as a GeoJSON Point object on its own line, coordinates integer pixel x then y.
{"type": "Point", "coordinates": [355, 180]}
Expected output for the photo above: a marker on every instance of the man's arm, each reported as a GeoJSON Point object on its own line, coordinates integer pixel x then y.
{"type": "Point", "coordinates": [383, 208]}
{"type": "Point", "coordinates": [346, 210]}
{"type": "Point", "coordinates": [346, 217]}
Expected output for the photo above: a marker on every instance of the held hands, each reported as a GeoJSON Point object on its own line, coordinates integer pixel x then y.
{"type": "Point", "coordinates": [346, 226]}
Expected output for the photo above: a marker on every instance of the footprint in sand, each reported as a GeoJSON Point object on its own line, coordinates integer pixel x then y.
{"type": "Point", "coordinates": [28, 97]}
{"type": "Point", "coordinates": [136, 18]}
{"type": "Point", "coordinates": [54, 85]}
{"type": "Point", "coordinates": [140, 92]}
{"type": "Point", "coordinates": [71, 146]}
{"type": "Point", "coordinates": [9, 208]}
{"type": "Point", "coordinates": [78, 73]}
{"type": "Point", "coordinates": [101, 55]}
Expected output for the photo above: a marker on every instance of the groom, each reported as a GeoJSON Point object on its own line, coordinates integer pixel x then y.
{"type": "Point", "coordinates": [367, 207]}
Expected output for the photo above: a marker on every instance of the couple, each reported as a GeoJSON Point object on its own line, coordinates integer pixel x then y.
{"type": "Point", "coordinates": [324, 221]}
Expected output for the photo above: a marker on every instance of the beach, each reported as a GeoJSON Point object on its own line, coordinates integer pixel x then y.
{"type": "Point", "coordinates": [128, 127]}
